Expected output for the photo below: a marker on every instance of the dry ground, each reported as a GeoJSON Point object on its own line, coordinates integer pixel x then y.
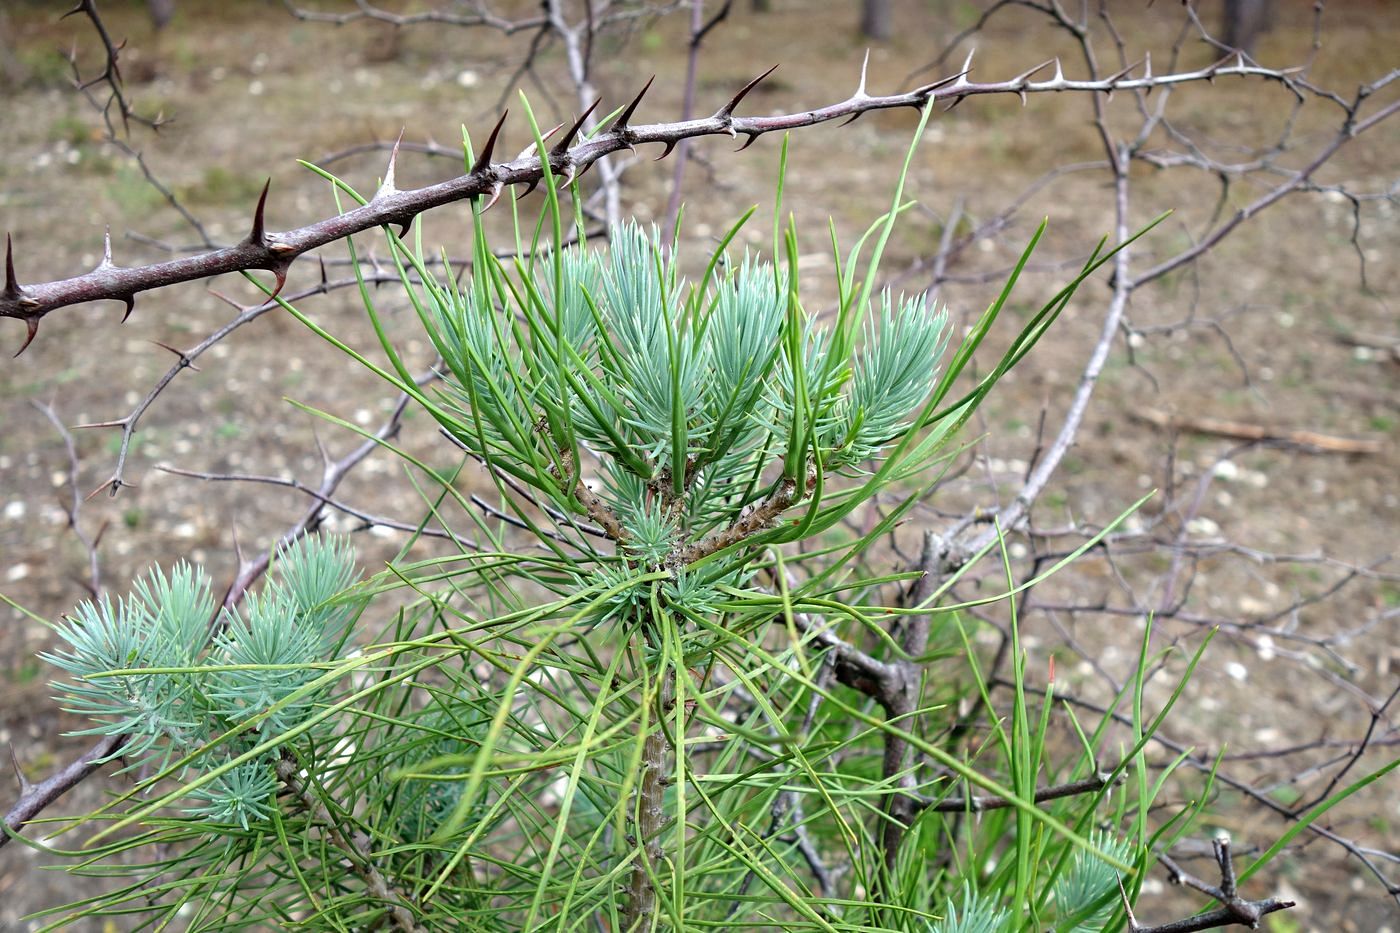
{"type": "Point", "coordinates": [252, 91]}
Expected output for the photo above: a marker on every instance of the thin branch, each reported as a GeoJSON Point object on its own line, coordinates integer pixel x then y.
{"type": "Point", "coordinates": [274, 252]}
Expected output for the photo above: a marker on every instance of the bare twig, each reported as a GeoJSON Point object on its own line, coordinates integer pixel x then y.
{"type": "Point", "coordinates": [1233, 910]}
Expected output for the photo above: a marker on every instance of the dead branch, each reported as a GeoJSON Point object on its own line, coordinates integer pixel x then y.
{"type": "Point", "coordinates": [1240, 430]}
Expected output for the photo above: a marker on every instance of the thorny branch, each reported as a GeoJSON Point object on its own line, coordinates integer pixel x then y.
{"type": "Point", "coordinates": [1233, 909]}
{"type": "Point", "coordinates": [274, 252]}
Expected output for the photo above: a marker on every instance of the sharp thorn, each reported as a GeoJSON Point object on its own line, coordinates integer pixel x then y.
{"type": "Point", "coordinates": [670, 144]}
{"type": "Point", "coordinates": [941, 83]}
{"type": "Point", "coordinates": [849, 120]}
{"type": "Point", "coordinates": [860, 91]}
{"type": "Point", "coordinates": [530, 149]}
{"type": "Point", "coordinates": [33, 324]}
{"type": "Point", "coordinates": [280, 271]}
{"type": "Point", "coordinates": [184, 359]}
{"type": "Point", "coordinates": [728, 108]}
{"type": "Point", "coordinates": [130, 301]}
{"type": "Point", "coordinates": [404, 228]}
{"type": "Point", "coordinates": [967, 64]}
{"type": "Point", "coordinates": [752, 136]}
{"type": "Point", "coordinates": [258, 235]}
{"type": "Point", "coordinates": [106, 262]}
{"type": "Point", "coordinates": [529, 188]}
{"type": "Point", "coordinates": [112, 485]}
{"type": "Point", "coordinates": [1111, 79]}
{"type": "Point", "coordinates": [228, 301]}
{"type": "Point", "coordinates": [496, 190]}
{"type": "Point", "coordinates": [622, 122]}
{"type": "Point", "coordinates": [325, 282]}
{"type": "Point", "coordinates": [387, 187]}
{"type": "Point", "coordinates": [1038, 68]}
{"type": "Point", "coordinates": [1059, 71]}
{"type": "Point", "coordinates": [24, 786]}
{"type": "Point", "coordinates": [12, 289]}
{"type": "Point", "coordinates": [483, 161]}
{"type": "Point", "coordinates": [118, 423]}
{"type": "Point", "coordinates": [567, 140]}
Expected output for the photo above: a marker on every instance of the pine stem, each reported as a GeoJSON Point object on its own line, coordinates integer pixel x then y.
{"type": "Point", "coordinates": [640, 910]}
{"type": "Point", "coordinates": [361, 862]}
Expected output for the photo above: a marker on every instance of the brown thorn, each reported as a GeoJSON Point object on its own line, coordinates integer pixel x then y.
{"type": "Point", "coordinates": [670, 144]}
{"type": "Point", "coordinates": [101, 530]}
{"type": "Point", "coordinates": [184, 358]}
{"type": "Point", "coordinates": [33, 324]}
{"type": "Point", "coordinates": [280, 271]}
{"type": "Point", "coordinates": [258, 235]}
{"type": "Point", "coordinates": [483, 161]}
{"type": "Point", "coordinates": [496, 190]}
{"type": "Point", "coordinates": [846, 122]}
{"type": "Point", "coordinates": [24, 785]}
{"type": "Point", "coordinates": [622, 121]}
{"type": "Point", "coordinates": [130, 301]}
{"type": "Point", "coordinates": [118, 423]}
{"type": "Point", "coordinates": [12, 289]}
{"type": "Point", "coordinates": [562, 146]}
{"type": "Point", "coordinates": [113, 485]}
{"type": "Point", "coordinates": [229, 301]}
{"type": "Point", "coordinates": [325, 282]}
{"type": "Point", "coordinates": [728, 108]}
{"type": "Point", "coordinates": [753, 136]}
{"type": "Point", "coordinates": [530, 188]}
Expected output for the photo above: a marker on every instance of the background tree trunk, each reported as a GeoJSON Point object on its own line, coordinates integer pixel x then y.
{"type": "Point", "coordinates": [161, 11]}
{"type": "Point", "coordinates": [1244, 21]}
{"type": "Point", "coordinates": [876, 19]}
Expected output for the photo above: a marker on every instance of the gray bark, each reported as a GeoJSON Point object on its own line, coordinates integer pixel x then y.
{"type": "Point", "coordinates": [1244, 21]}
{"type": "Point", "coordinates": [877, 20]}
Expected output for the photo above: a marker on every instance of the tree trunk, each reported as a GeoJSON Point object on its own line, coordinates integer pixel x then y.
{"type": "Point", "coordinates": [162, 11]}
{"type": "Point", "coordinates": [1245, 21]}
{"type": "Point", "coordinates": [876, 20]}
